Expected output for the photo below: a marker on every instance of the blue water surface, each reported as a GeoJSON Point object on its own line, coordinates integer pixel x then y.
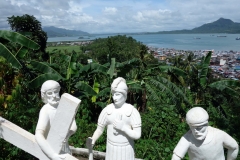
{"type": "Point", "coordinates": [217, 42]}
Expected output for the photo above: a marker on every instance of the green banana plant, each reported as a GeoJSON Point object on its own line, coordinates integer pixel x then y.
{"type": "Point", "coordinates": [204, 70]}
{"type": "Point", "coordinates": [47, 73]}
{"type": "Point", "coordinates": [90, 72]}
{"type": "Point", "coordinates": [229, 86]}
{"type": "Point", "coordinates": [149, 84]}
{"type": "Point", "coordinates": [15, 38]}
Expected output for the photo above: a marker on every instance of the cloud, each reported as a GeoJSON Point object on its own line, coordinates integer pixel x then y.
{"type": "Point", "coordinates": [110, 10]}
{"type": "Point", "coordinates": [96, 16]}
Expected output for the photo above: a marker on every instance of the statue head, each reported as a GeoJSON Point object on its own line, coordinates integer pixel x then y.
{"type": "Point", "coordinates": [119, 91]}
{"type": "Point", "coordinates": [50, 92]}
{"type": "Point", "coordinates": [197, 119]}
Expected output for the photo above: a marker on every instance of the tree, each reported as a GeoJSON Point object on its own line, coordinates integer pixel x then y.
{"type": "Point", "coordinates": [31, 27]}
{"type": "Point", "coordinates": [120, 47]}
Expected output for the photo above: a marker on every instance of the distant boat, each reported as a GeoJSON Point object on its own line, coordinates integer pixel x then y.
{"type": "Point", "coordinates": [197, 38]}
{"type": "Point", "coordinates": [221, 36]}
{"type": "Point", "coordinates": [238, 38]}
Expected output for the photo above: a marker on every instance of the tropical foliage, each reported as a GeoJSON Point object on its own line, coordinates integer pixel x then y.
{"type": "Point", "coordinates": [162, 93]}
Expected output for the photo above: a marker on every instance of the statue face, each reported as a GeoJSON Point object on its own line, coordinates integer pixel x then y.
{"type": "Point", "coordinates": [53, 97]}
{"type": "Point", "coordinates": [118, 98]}
{"type": "Point", "coordinates": [199, 132]}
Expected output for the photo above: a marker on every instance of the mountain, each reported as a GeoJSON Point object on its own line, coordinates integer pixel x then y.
{"type": "Point", "coordinates": [220, 26]}
{"type": "Point", "coordinates": [60, 32]}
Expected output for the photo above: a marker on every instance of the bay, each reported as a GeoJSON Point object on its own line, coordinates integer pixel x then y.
{"type": "Point", "coordinates": [216, 42]}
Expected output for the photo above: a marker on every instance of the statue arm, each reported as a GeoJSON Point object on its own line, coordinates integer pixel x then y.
{"type": "Point", "coordinates": [45, 147]}
{"type": "Point", "coordinates": [134, 133]}
{"type": "Point", "coordinates": [98, 132]}
{"type": "Point", "coordinates": [231, 145]}
{"type": "Point", "coordinates": [102, 122]}
{"type": "Point", "coordinates": [181, 148]}
{"type": "Point", "coordinates": [72, 130]}
{"type": "Point", "coordinates": [41, 139]}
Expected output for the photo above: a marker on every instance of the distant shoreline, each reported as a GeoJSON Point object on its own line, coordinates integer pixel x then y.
{"type": "Point", "coordinates": [140, 33]}
{"type": "Point", "coordinates": [225, 42]}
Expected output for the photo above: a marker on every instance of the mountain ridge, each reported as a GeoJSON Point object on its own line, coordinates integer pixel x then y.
{"type": "Point", "coordinates": [60, 32]}
{"type": "Point", "coordinates": [221, 25]}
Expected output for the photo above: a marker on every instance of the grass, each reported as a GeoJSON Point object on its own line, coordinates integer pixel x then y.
{"type": "Point", "coordinates": [64, 48]}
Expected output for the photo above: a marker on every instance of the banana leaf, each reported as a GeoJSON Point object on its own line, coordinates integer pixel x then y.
{"type": "Point", "coordinates": [44, 68]}
{"type": "Point", "coordinates": [4, 52]}
{"type": "Point", "coordinates": [112, 68]}
{"type": "Point", "coordinates": [19, 38]}
{"type": "Point", "coordinates": [204, 70]}
{"type": "Point", "coordinates": [22, 52]}
{"type": "Point", "coordinates": [85, 88]}
{"type": "Point", "coordinates": [38, 81]}
{"type": "Point", "coordinates": [229, 86]}
{"type": "Point", "coordinates": [124, 67]}
{"type": "Point", "coordinates": [70, 67]}
{"type": "Point", "coordinates": [171, 69]}
{"type": "Point", "coordinates": [93, 68]}
{"type": "Point", "coordinates": [96, 86]}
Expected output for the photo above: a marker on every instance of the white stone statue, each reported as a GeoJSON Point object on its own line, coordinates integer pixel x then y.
{"type": "Point", "coordinates": [203, 142]}
{"type": "Point", "coordinates": [50, 95]}
{"type": "Point", "coordinates": [123, 124]}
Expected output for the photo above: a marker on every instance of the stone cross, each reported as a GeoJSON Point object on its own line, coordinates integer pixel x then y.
{"type": "Point", "coordinates": [60, 126]}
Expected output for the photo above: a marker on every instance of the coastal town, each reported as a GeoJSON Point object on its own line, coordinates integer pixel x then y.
{"type": "Point", "coordinates": [225, 64]}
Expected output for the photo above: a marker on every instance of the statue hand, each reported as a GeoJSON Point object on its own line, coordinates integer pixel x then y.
{"type": "Point", "coordinates": [90, 143]}
{"type": "Point", "coordinates": [118, 124]}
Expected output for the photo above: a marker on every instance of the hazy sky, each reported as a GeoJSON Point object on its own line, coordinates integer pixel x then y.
{"type": "Point", "coordinates": [118, 16]}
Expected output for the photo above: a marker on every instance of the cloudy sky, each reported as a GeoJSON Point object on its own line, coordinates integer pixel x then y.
{"type": "Point", "coordinates": [118, 16]}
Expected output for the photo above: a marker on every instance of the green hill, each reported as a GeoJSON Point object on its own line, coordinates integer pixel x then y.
{"type": "Point", "coordinates": [60, 32]}
{"type": "Point", "coordinates": [220, 26]}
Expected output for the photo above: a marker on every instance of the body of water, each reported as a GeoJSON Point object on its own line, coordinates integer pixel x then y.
{"type": "Point", "coordinates": [217, 42]}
